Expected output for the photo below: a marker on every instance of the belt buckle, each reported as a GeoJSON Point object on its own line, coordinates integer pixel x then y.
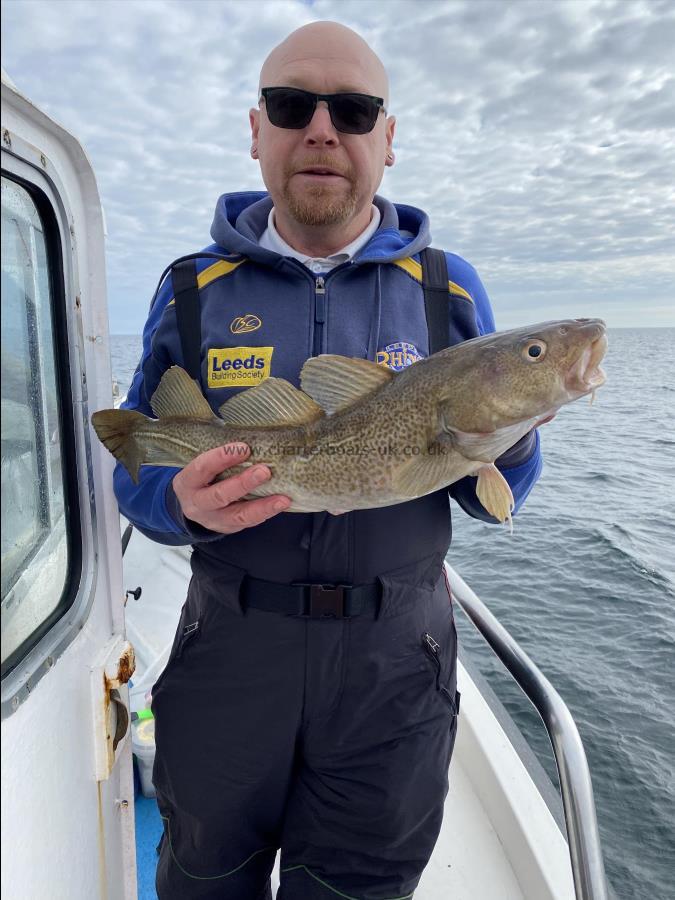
{"type": "Point", "coordinates": [327, 601]}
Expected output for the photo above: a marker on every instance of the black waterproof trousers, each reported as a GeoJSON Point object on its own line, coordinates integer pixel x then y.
{"type": "Point", "coordinates": [327, 738]}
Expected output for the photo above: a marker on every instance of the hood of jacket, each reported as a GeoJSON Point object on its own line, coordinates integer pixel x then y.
{"type": "Point", "coordinates": [241, 218]}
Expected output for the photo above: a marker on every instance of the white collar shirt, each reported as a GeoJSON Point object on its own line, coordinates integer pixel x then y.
{"type": "Point", "coordinates": [270, 239]}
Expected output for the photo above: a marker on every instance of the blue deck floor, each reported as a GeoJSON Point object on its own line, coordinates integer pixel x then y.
{"type": "Point", "coordinates": [148, 833]}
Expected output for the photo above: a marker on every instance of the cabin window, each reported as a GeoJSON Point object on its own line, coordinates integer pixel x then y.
{"type": "Point", "coordinates": [35, 536]}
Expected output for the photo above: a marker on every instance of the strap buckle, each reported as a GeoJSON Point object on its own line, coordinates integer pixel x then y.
{"type": "Point", "coordinates": [327, 601]}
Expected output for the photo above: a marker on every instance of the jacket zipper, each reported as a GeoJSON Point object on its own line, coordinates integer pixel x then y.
{"type": "Point", "coordinates": [319, 313]}
{"type": "Point", "coordinates": [319, 299]}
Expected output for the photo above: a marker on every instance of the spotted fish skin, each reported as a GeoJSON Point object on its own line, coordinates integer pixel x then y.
{"type": "Point", "coordinates": [360, 436]}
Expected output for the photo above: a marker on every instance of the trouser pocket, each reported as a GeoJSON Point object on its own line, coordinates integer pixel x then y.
{"type": "Point", "coordinates": [445, 689]}
{"type": "Point", "coordinates": [189, 626]}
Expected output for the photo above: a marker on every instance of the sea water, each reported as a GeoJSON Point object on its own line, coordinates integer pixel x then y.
{"type": "Point", "coordinates": [586, 585]}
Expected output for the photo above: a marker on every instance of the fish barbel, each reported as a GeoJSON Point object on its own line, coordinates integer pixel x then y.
{"type": "Point", "coordinates": [359, 435]}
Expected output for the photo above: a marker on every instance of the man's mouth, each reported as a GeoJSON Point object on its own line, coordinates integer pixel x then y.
{"type": "Point", "coordinates": [320, 173]}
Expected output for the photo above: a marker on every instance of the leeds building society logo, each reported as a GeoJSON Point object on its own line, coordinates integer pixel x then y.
{"type": "Point", "coordinates": [398, 355]}
{"type": "Point", "coordinates": [244, 324]}
{"type": "Point", "coordinates": [239, 366]}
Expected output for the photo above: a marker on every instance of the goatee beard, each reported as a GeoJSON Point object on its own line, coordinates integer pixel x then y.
{"type": "Point", "coordinates": [319, 206]}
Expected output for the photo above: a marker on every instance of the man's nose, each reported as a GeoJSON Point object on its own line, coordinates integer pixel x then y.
{"type": "Point", "coordinates": [321, 130]}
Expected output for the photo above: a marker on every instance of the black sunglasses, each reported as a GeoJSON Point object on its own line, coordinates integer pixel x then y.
{"type": "Point", "coordinates": [293, 108]}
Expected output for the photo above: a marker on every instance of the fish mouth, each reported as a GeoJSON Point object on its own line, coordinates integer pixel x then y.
{"type": "Point", "coordinates": [586, 375]}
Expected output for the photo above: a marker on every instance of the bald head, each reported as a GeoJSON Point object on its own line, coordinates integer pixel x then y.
{"type": "Point", "coordinates": [322, 180]}
{"type": "Point", "coordinates": [338, 49]}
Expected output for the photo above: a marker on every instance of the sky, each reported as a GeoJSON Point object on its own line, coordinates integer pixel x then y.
{"type": "Point", "coordinates": [539, 135]}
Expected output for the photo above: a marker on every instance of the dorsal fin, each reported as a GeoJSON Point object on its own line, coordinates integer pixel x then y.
{"type": "Point", "coordinates": [335, 382]}
{"type": "Point", "coordinates": [177, 395]}
{"type": "Point", "coordinates": [274, 402]}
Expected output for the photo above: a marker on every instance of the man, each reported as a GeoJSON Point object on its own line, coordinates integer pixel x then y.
{"type": "Point", "coordinates": [292, 715]}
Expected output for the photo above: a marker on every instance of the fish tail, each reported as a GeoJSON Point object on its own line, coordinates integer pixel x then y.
{"type": "Point", "coordinates": [116, 430]}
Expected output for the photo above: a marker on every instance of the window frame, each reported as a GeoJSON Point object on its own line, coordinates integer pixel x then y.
{"type": "Point", "coordinates": [27, 165]}
{"type": "Point", "coordinates": [59, 337]}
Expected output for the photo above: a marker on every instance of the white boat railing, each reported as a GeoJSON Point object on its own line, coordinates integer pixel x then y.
{"type": "Point", "coordinates": [583, 838]}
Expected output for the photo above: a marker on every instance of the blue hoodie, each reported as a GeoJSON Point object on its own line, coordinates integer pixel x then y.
{"type": "Point", "coordinates": [370, 307]}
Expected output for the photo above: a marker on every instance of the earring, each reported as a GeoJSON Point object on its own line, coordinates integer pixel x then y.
{"type": "Point", "coordinates": [390, 155]}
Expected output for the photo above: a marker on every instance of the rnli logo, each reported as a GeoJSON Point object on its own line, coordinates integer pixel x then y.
{"type": "Point", "coordinates": [398, 355]}
{"type": "Point", "coordinates": [239, 366]}
{"type": "Point", "coordinates": [244, 324]}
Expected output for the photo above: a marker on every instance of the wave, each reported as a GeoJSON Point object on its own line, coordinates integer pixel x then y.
{"type": "Point", "coordinates": [639, 565]}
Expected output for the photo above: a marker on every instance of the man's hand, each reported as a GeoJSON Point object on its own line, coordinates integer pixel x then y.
{"type": "Point", "coordinates": [219, 506]}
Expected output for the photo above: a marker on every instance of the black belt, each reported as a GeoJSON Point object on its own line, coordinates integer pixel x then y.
{"type": "Point", "coordinates": [312, 601]}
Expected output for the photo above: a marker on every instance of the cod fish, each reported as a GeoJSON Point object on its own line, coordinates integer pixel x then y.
{"type": "Point", "coordinates": [359, 435]}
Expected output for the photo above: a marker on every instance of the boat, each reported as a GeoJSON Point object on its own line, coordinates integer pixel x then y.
{"type": "Point", "coordinates": [90, 607]}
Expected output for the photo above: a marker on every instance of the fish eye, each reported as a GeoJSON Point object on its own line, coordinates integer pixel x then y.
{"type": "Point", "coordinates": [534, 350]}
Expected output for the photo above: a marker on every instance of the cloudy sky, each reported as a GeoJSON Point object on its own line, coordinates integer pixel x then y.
{"type": "Point", "coordinates": [539, 135]}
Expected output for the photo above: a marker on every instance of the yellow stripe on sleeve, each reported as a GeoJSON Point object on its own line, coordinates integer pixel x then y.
{"type": "Point", "coordinates": [414, 269]}
{"type": "Point", "coordinates": [210, 273]}
{"type": "Point", "coordinates": [222, 267]}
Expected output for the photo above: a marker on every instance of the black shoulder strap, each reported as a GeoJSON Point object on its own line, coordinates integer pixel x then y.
{"type": "Point", "coordinates": [188, 314]}
{"type": "Point", "coordinates": [436, 300]}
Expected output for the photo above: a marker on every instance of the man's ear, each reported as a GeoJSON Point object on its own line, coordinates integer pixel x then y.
{"type": "Point", "coordinates": [390, 128]}
{"type": "Point", "coordinates": [254, 119]}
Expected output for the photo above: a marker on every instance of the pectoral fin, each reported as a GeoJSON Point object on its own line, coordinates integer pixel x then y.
{"type": "Point", "coordinates": [494, 493]}
{"type": "Point", "coordinates": [426, 471]}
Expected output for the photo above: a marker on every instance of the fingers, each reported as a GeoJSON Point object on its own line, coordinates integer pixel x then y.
{"type": "Point", "coordinates": [240, 514]}
{"type": "Point", "coordinates": [219, 507]}
{"type": "Point", "coordinates": [247, 513]}
{"type": "Point", "coordinates": [204, 468]}
{"type": "Point", "coordinates": [216, 496]}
